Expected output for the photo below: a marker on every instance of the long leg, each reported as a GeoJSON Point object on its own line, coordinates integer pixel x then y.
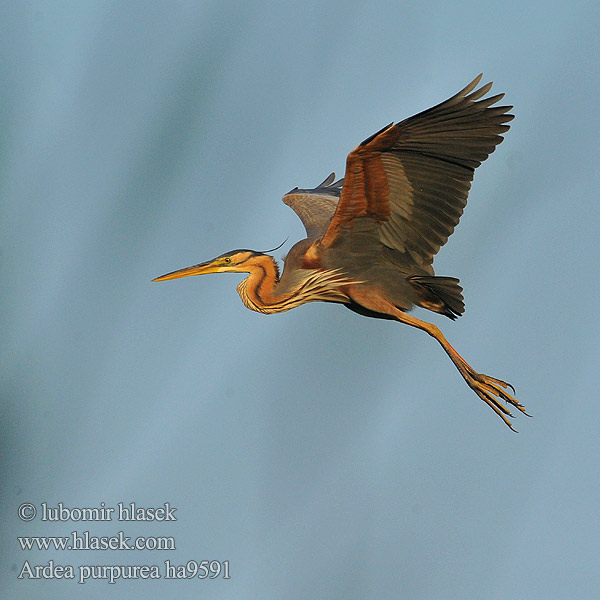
{"type": "Point", "coordinates": [489, 389]}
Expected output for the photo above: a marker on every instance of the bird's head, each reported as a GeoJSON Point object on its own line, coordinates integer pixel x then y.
{"type": "Point", "coordinates": [236, 261]}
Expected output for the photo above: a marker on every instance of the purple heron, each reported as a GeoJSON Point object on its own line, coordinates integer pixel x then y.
{"type": "Point", "coordinates": [372, 236]}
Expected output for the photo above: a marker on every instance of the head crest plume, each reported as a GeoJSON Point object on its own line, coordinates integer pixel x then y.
{"type": "Point", "coordinates": [276, 248]}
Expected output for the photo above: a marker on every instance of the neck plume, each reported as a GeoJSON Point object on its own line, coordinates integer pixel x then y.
{"type": "Point", "coordinates": [263, 291]}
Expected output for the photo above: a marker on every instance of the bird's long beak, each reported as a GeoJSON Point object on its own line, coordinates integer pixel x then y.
{"type": "Point", "coordinates": [201, 269]}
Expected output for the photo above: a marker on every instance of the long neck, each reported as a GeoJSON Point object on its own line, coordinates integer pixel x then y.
{"type": "Point", "coordinates": [258, 290]}
{"type": "Point", "coordinates": [262, 289]}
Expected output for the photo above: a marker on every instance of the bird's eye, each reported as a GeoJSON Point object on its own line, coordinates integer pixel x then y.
{"type": "Point", "coordinates": [227, 260]}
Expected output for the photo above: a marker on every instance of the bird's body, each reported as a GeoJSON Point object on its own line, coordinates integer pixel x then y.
{"type": "Point", "coordinates": [372, 236]}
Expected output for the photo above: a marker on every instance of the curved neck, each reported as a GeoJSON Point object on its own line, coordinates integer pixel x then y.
{"type": "Point", "coordinates": [257, 291]}
{"type": "Point", "coordinates": [261, 291]}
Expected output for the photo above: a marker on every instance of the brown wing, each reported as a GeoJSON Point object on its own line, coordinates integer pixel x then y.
{"type": "Point", "coordinates": [412, 179]}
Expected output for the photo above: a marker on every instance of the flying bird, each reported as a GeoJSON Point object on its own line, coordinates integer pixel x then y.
{"type": "Point", "coordinates": [372, 236]}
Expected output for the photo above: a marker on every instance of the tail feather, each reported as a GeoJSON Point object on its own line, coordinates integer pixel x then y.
{"type": "Point", "coordinates": [440, 294]}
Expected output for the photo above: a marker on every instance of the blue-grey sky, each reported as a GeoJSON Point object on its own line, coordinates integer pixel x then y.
{"type": "Point", "coordinates": [323, 454]}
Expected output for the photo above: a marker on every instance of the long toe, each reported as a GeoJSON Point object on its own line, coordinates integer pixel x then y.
{"type": "Point", "coordinates": [494, 393]}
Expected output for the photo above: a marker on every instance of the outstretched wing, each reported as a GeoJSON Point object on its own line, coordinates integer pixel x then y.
{"type": "Point", "coordinates": [411, 180]}
{"type": "Point", "coordinates": [316, 207]}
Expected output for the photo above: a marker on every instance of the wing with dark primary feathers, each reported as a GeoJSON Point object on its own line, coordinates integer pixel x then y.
{"type": "Point", "coordinates": [316, 207]}
{"type": "Point", "coordinates": [411, 180]}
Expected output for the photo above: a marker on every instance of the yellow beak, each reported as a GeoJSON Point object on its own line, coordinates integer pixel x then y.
{"type": "Point", "coordinates": [201, 269]}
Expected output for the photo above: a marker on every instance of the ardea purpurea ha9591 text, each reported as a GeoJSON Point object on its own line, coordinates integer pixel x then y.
{"type": "Point", "coordinates": [372, 236]}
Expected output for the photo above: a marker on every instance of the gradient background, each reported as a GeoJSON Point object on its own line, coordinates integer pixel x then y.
{"type": "Point", "coordinates": [324, 455]}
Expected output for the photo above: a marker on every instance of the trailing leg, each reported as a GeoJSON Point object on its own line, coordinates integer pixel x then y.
{"type": "Point", "coordinates": [491, 390]}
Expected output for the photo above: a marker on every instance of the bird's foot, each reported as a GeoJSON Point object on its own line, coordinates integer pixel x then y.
{"type": "Point", "coordinates": [491, 391]}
